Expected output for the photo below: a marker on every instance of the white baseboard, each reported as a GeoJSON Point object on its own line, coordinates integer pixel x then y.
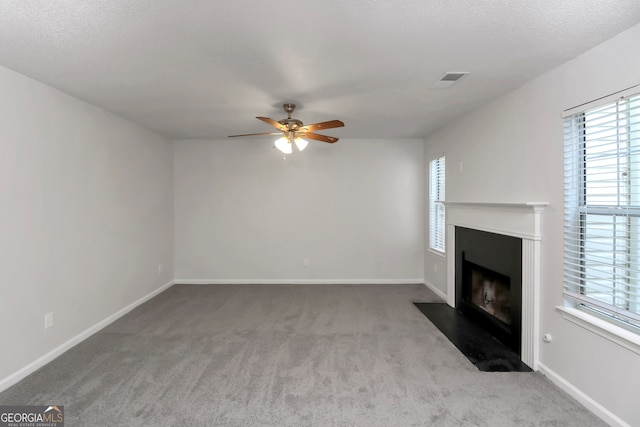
{"type": "Point", "coordinates": [298, 281]}
{"type": "Point", "coordinates": [436, 291]}
{"type": "Point", "coordinates": [603, 413]}
{"type": "Point", "coordinates": [40, 362]}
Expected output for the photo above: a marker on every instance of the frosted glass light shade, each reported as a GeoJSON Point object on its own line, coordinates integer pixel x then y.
{"type": "Point", "coordinates": [283, 145]}
{"type": "Point", "coordinates": [301, 143]}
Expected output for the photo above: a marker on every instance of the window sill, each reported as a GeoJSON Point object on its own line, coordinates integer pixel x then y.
{"type": "Point", "coordinates": [613, 333]}
{"type": "Point", "coordinates": [437, 252]}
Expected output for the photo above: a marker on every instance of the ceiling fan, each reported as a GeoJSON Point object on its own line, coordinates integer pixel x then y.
{"type": "Point", "coordinates": [293, 131]}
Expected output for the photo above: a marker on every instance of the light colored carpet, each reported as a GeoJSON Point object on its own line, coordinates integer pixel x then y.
{"type": "Point", "coordinates": [287, 355]}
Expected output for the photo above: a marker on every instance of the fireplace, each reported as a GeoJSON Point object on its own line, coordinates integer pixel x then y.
{"type": "Point", "coordinates": [489, 284]}
{"type": "Point", "coordinates": [522, 221]}
{"type": "Point", "coordinates": [489, 291]}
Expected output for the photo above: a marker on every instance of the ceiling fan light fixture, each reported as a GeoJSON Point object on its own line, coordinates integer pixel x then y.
{"type": "Point", "coordinates": [284, 145]}
{"type": "Point", "coordinates": [289, 129]}
{"type": "Point", "coordinates": [301, 143]}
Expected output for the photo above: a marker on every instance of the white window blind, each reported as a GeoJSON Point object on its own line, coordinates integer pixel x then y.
{"type": "Point", "coordinates": [436, 210]}
{"type": "Point", "coordinates": [602, 209]}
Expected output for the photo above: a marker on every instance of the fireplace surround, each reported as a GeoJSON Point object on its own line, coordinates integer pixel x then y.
{"type": "Point", "coordinates": [520, 220]}
{"type": "Point", "coordinates": [489, 282]}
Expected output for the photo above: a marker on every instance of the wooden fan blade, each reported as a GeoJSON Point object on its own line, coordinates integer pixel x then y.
{"type": "Point", "coordinates": [273, 123]}
{"type": "Point", "coordinates": [323, 125]}
{"type": "Point", "coordinates": [318, 137]}
{"type": "Point", "coordinates": [256, 134]}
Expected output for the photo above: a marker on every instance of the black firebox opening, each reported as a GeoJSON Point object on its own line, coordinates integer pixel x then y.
{"type": "Point", "coordinates": [489, 291]}
{"type": "Point", "coordinates": [489, 283]}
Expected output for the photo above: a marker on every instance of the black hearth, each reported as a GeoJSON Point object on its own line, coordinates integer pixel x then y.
{"type": "Point", "coordinates": [489, 282]}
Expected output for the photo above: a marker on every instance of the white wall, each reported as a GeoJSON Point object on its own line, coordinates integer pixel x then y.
{"type": "Point", "coordinates": [512, 151]}
{"type": "Point", "coordinates": [85, 218]}
{"type": "Point", "coordinates": [354, 209]}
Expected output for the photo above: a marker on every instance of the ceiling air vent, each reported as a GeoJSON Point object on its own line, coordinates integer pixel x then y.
{"type": "Point", "coordinates": [449, 79]}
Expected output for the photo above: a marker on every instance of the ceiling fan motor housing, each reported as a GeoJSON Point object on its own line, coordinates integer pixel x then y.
{"type": "Point", "coordinates": [291, 124]}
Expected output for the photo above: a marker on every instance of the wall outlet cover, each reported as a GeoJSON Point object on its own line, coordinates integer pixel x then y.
{"type": "Point", "coordinates": [48, 320]}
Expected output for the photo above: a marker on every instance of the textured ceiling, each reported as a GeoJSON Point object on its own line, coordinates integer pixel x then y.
{"type": "Point", "coordinates": [205, 69]}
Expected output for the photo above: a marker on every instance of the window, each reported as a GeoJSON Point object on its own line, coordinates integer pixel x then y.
{"type": "Point", "coordinates": [602, 210]}
{"type": "Point", "coordinates": [436, 210]}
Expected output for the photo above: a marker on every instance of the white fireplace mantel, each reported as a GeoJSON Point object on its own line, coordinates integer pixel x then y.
{"type": "Point", "coordinates": [513, 219]}
{"type": "Point", "coordinates": [522, 220]}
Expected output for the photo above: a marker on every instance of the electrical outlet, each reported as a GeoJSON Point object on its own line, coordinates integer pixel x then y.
{"type": "Point", "coordinates": [435, 268]}
{"type": "Point", "coordinates": [306, 262]}
{"type": "Point", "coordinates": [160, 268]}
{"type": "Point", "coordinates": [48, 320]}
